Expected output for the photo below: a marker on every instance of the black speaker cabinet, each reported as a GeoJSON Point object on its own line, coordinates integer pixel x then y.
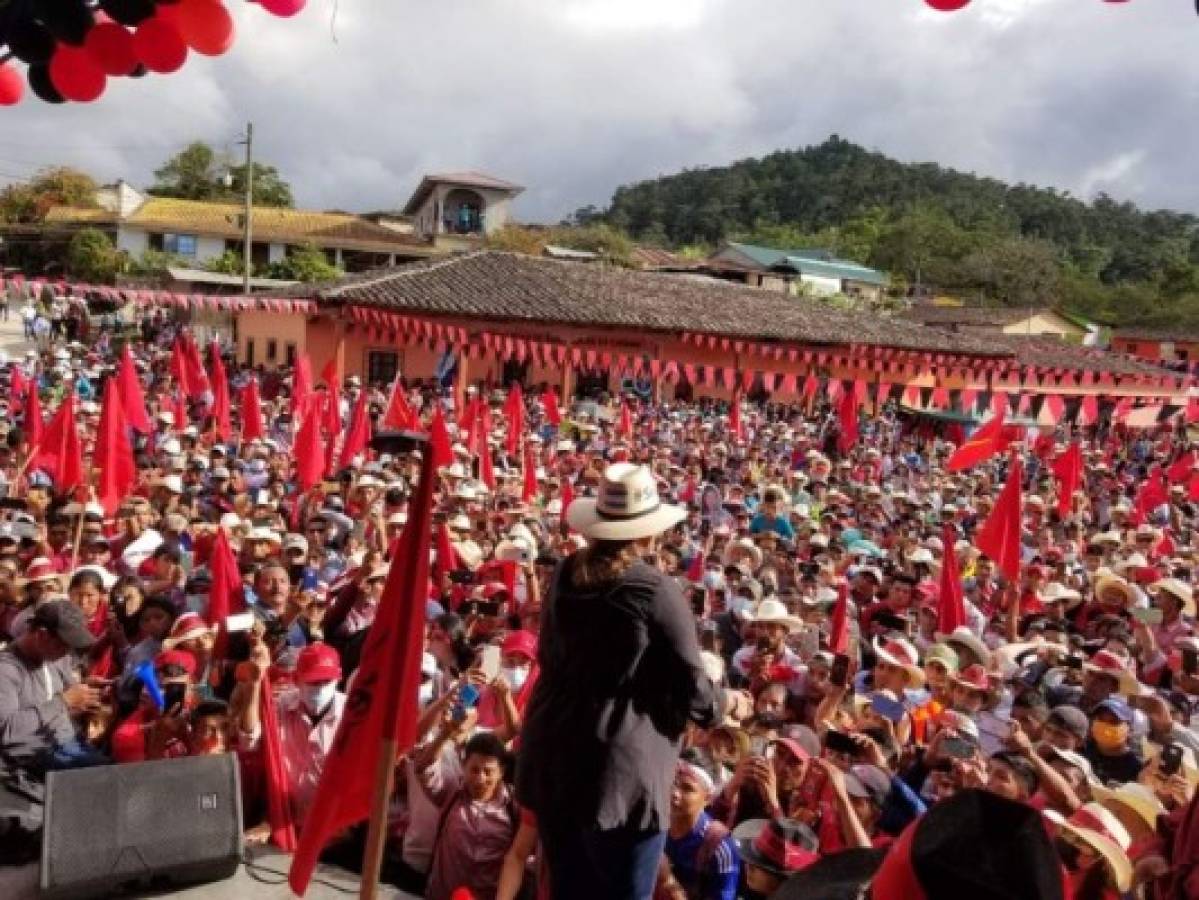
{"type": "Point", "coordinates": [141, 826]}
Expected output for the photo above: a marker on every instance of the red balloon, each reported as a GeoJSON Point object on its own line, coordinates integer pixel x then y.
{"type": "Point", "coordinates": [205, 25]}
{"type": "Point", "coordinates": [12, 86]}
{"type": "Point", "coordinates": [159, 46]}
{"type": "Point", "coordinates": [947, 5]}
{"type": "Point", "coordinates": [283, 8]}
{"type": "Point", "coordinates": [76, 75]}
{"type": "Point", "coordinates": [111, 46]}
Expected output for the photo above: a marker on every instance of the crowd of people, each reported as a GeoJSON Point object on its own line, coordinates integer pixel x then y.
{"type": "Point", "coordinates": [670, 651]}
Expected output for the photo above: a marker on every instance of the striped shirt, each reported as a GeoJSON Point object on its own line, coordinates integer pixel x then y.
{"type": "Point", "coordinates": [718, 880]}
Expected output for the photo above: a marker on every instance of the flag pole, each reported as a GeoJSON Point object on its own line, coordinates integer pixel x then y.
{"type": "Point", "coordinates": [376, 835]}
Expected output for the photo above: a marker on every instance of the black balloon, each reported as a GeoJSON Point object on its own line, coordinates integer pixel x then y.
{"type": "Point", "coordinates": [29, 41]}
{"type": "Point", "coordinates": [42, 86]}
{"type": "Point", "coordinates": [67, 20]}
{"type": "Point", "coordinates": [139, 72]}
{"type": "Point", "coordinates": [128, 12]}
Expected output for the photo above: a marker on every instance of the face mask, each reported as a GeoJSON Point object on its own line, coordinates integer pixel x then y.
{"type": "Point", "coordinates": [317, 697]}
{"type": "Point", "coordinates": [741, 605]}
{"type": "Point", "coordinates": [425, 696]}
{"type": "Point", "coordinates": [516, 676]}
{"type": "Point", "coordinates": [713, 580]}
{"type": "Point", "coordinates": [1109, 737]}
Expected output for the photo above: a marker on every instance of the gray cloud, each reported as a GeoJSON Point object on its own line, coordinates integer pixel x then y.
{"type": "Point", "coordinates": [574, 97]}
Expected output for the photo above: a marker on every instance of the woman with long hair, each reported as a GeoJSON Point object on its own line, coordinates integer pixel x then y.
{"type": "Point", "coordinates": [620, 677]}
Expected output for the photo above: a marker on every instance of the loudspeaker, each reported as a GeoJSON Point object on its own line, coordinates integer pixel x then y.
{"type": "Point", "coordinates": [141, 825]}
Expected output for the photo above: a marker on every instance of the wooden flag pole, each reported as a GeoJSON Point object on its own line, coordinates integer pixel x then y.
{"type": "Point", "coordinates": [376, 835]}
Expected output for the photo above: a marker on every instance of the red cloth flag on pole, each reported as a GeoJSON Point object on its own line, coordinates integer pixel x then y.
{"type": "Point", "coordinates": [275, 778]}
{"type": "Point", "coordinates": [951, 605]}
{"type": "Point", "coordinates": [359, 434]}
{"type": "Point", "coordinates": [1181, 468]}
{"type": "Point", "coordinates": [197, 378]}
{"type": "Point", "coordinates": [1067, 469]}
{"type": "Point", "coordinates": [439, 447]}
{"type": "Point", "coordinates": [35, 426]}
{"type": "Point", "coordinates": [251, 412]}
{"type": "Point", "coordinates": [568, 497]}
{"type": "Point", "coordinates": [988, 440]}
{"type": "Point", "coordinates": [330, 375]}
{"type": "Point", "coordinates": [549, 400]}
{"type": "Point", "coordinates": [399, 415]}
{"type": "Point", "coordinates": [133, 400]}
{"type": "Point", "coordinates": [838, 634]}
{"type": "Point", "coordinates": [695, 570]}
{"type": "Point", "coordinates": [179, 410]}
{"type": "Point", "coordinates": [625, 425]}
{"type": "Point", "coordinates": [736, 426]}
{"type": "Point", "coordinates": [1152, 494]}
{"type": "Point", "coordinates": [999, 536]}
{"type": "Point", "coordinates": [59, 452]}
{"type": "Point", "coordinates": [446, 557]}
{"type": "Point", "coordinates": [514, 412]}
{"type": "Point", "coordinates": [381, 713]}
{"type": "Point", "coordinates": [848, 415]}
{"type": "Point", "coordinates": [113, 456]}
{"type": "Point", "coordinates": [220, 395]}
{"type": "Point", "coordinates": [529, 490]}
{"type": "Point", "coordinates": [301, 385]}
{"type": "Point", "coordinates": [309, 452]}
{"type": "Point", "coordinates": [180, 368]}
{"type": "Point", "coordinates": [17, 385]}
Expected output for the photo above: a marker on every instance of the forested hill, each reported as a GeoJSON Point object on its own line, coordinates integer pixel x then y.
{"type": "Point", "coordinates": [927, 224]}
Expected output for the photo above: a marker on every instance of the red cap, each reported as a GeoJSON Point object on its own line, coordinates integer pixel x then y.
{"type": "Point", "coordinates": [795, 748]}
{"type": "Point", "coordinates": [522, 642]}
{"type": "Point", "coordinates": [317, 662]}
{"type": "Point", "coordinates": [180, 658]}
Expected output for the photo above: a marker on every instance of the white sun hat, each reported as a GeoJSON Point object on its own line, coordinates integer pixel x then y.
{"type": "Point", "coordinates": [627, 508]}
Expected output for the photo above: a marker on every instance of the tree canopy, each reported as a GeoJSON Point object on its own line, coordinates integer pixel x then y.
{"type": "Point", "coordinates": [28, 201]}
{"type": "Point", "coordinates": [197, 172]}
{"type": "Point", "coordinates": [929, 225]}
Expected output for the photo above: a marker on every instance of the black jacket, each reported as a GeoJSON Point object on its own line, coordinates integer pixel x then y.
{"type": "Point", "coordinates": [621, 676]}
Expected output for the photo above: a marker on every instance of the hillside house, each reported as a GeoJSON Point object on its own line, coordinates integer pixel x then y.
{"type": "Point", "coordinates": [1019, 321]}
{"type": "Point", "coordinates": [817, 272]}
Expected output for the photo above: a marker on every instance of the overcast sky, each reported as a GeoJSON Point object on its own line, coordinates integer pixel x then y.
{"type": "Point", "coordinates": [572, 98]}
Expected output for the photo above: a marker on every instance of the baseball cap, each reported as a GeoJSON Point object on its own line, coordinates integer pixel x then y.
{"type": "Point", "coordinates": [317, 662]}
{"type": "Point", "coordinates": [869, 783]}
{"type": "Point", "coordinates": [63, 619]}
{"type": "Point", "coordinates": [1071, 719]}
{"type": "Point", "coordinates": [1117, 707]}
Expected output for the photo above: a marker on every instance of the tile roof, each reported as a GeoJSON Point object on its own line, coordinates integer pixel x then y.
{"type": "Point", "coordinates": [325, 229]}
{"type": "Point", "coordinates": [1053, 353]}
{"type": "Point", "coordinates": [657, 258]}
{"type": "Point", "coordinates": [977, 316]}
{"type": "Point", "coordinates": [505, 286]}
{"type": "Point", "coordinates": [1185, 335]}
{"type": "Point", "coordinates": [79, 215]}
{"type": "Point", "coordinates": [814, 262]}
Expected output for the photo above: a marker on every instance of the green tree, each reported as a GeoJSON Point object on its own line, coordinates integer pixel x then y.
{"type": "Point", "coordinates": [306, 263]}
{"type": "Point", "coordinates": [92, 256]}
{"type": "Point", "coordinates": [28, 202]}
{"type": "Point", "coordinates": [1016, 271]}
{"type": "Point", "coordinates": [228, 263]}
{"type": "Point", "coordinates": [197, 172]}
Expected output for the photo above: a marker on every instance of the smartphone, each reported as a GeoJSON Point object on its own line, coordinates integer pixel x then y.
{"type": "Point", "coordinates": [1150, 616]}
{"type": "Point", "coordinates": [1190, 661]}
{"type": "Point", "coordinates": [958, 748]}
{"type": "Point", "coordinates": [486, 608]}
{"type": "Point", "coordinates": [892, 622]}
{"type": "Point", "coordinates": [239, 622]}
{"type": "Point", "coordinates": [809, 642]}
{"type": "Point", "coordinates": [1170, 760]}
{"type": "Point", "coordinates": [173, 696]}
{"type": "Point", "coordinates": [468, 696]}
{"type": "Point", "coordinates": [462, 576]}
{"type": "Point", "coordinates": [17, 503]}
{"type": "Point", "coordinates": [489, 662]}
{"type": "Point", "coordinates": [838, 675]}
{"type": "Point", "coordinates": [1073, 662]}
{"type": "Point", "coordinates": [839, 742]}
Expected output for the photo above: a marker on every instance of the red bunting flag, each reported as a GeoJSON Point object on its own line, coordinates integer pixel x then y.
{"type": "Point", "coordinates": [59, 453]}
{"type": "Point", "coordinates": [359, 434]}
{"type": "Point", "coordinates": [32, 417]}
{"type": "Point", "coordinates": [1067, 469]}
{"type": "Point", "coordinates": [309, 452]}
{"type": "Point", "coordinates": [399, 415]}
{"type": "Point", "coordinates": [440, 448]}
{"type": "Point", "coordinates": [381, 713]}
{"type": "Point", "coordinates": [251, 412]}
{"type": "Point", "coordinates": [951, 604]}
{"type": "Point", "coordinates": [113, 456]}
{"type": "Point", "coordinates": [514, 413]}
{"type": "Point", "coordinates": [988, 440]}
{"type": "Point", "coordinates": [133, 400]}
{"type": "Point", "coordinates": [220, 395]}
{"type": "Point", "coordinates": [999, 536]}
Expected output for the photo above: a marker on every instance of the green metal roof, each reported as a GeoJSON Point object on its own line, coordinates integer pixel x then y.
{"type": "Point", "coordinates": [818, 263]}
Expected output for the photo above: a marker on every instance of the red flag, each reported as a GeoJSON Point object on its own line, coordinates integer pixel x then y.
{"type": "Point", "coordinates": [331, 414]}
{"type": "Point", "coordinates": [251, 412]}
{"type": "Point", "coordinates": [486, 466]}
{"type": "Point", "coordinates": [736, 426]}
{"type": "Point", "coordinates": [999, 536]}
{"type": "Point", "coordinates": [301, 385]}
{"type": "Point", "coordinates": [514, 412]}
{"type": "Point", "coordinates": [113, 456]}
{"type": "Point", "coordinates": [529, 491]}
{"type": "Point", "coordinates": [446, 558]}
{"type": "Point", "coordinates": [982, 445]}
{"type": "Point", "coordinates": [1152, 494]}
{"type": "Point", "coordinates": [1067, 469]}
{"type": "Point", "coordinates": [133, 401]}
{"type": "Point", "coordinates": [179, 405]}
{"type": "Point", "coordinates": [848, 415]}
{"type": "Point", "coordinates": [278, 785]}
{"type": "Point", "coordinates": [568, 497]}
{"type": "Point", "coordinates": [59, 452]}
{"type": "Point", "coordinates": [439, 440]}
{"type": "Point", "coordinates": [695, 571]}
{"type": "Point", "coordinates": [1181, 468]}
{"type": "Point", "coordinates": [32, 417]}
{"type": "Point", "coordinates": [549, 400]}
{"type": "Point", "coordinates": [330, 375]}
{"type": "Point", "coordinates": [220, 395]}
{"type": "Point", "coordinates": [1043, 445]}
{"type": "Point", "coordinates": [399, 415]}
{"type": "Point", "coordinates": [227, 596]}
{"type": "Point", "coordinates": [309, 452]}
{"type": "Point", "coordinates": [838, 633]}
{"type": "Point", "coordinates": [625, 427]}
{"type": "Point", "coordinates": [17, 385]}
{"type": "Point", "coordinates": [359, 434]}
{"type": "Point", "coordinates": [951, 605]}
{"type": "Point", "coordinates": [690, 490]}
{"type": "Point", "coordinates": [1166, 546]}
{"type": "Point", "coordinates": [180, 368]}
{"type": "Point", "coordinates": [197, 378]}
{"type": "Point", "coordinates": [383, 704]}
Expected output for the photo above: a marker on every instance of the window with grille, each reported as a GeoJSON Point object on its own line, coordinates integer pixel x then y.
{"type": "Point", "coordinates": [382, 366]}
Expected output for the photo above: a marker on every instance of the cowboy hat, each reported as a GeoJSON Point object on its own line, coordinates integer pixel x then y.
{"type": "Point", "coordinates": [1055, 591]}
{"type": "Point", "coordinates": [901, 654]}
{"type": "Point", "coordinates": [1102, 832]}
{"type": "Point", "coordinates": [627, 508]}
{"type": "Point", "coordinates": [773, 611]}
{"type": "Point", "coordinates": [1112, 583]}
{"type": "Point", "coordinates": [1177, 589]}
{"type": "Point", "coordinates": [1135, 805]}
{"type": "Point", "coordinates": [1107, 663]}
{"type": "Point", "coordinates": [962, 636]}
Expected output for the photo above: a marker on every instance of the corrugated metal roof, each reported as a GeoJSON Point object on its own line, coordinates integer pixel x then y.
{"type": "Point", "coordinates": [813, 262]}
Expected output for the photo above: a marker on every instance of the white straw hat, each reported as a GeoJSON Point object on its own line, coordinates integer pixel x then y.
{"type": "Point", "coordinates": [627, 508]}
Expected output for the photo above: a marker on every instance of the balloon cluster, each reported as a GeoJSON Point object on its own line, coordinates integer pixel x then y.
{"type": "Point", "coordinates": [954, 5]}
{"type": "Point", "coordinates": [71, 48]}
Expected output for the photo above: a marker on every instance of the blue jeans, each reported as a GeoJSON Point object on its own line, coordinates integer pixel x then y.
{"type": "Point", "coordinates": [617, 864]}
{"type": "Point", "coordinates": [74, 755]}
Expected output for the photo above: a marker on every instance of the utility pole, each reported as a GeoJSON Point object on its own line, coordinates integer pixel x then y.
{"type": "Point", "coordinates": [248, 212]}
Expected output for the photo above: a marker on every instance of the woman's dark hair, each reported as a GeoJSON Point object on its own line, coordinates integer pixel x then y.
{"type": "Point", "coordinates": [209, 708]}
{"type": "Point", "coordinates": [602, 562]}
{"type": "Point", "coordinates": [158, 603]}
{"type": "Point", "coordinates": [86, 578]}
{"type": "Point", "coordinates": [455, 629]}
